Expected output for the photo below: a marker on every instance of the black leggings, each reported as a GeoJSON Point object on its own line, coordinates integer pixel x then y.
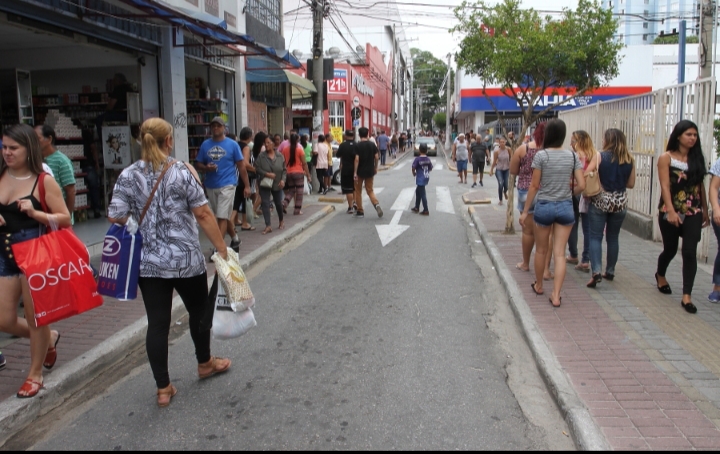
{"type": "Point", "coordinates": [321, 174]}
{"type": "Point", "coordinates": [266, 195]}
{"type": "Point", "coordinates": [690, 231]}
{"type": "Point", "coordinates": [157, 295]}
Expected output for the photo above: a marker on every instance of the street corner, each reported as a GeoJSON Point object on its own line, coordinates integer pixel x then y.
{"type": "Point", "coordinates": [475, 198]}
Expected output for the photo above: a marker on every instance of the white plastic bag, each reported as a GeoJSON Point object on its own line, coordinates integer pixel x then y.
{"type": "Point", "coordinates": [306, 189]}
{"type": "Point", "coordinates": [228, 324]}
{"type": "Point", "coordinates": [233, 281]}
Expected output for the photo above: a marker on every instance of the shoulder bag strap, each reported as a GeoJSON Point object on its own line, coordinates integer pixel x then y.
{"type": "Point", "coordinates": [152, 194]}
{"type": "Point", "coordinates": [41, 191]}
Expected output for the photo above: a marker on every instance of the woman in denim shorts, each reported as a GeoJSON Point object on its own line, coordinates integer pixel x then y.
{"type": "Point", "coordinates": [554, 186]}
{"type": "Point", "coordinates": [22, 219]}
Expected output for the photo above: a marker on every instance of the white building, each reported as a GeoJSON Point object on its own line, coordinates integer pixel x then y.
{"type": "Point", "coordinates": [641, 21]}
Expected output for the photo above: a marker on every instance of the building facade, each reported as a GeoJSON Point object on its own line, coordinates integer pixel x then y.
{"type": "Point", "coordinates": [641, 21]}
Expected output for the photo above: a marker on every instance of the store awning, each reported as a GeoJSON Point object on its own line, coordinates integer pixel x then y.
{"type": "Point", "coordinates": [211, 29]}
{"type": "Point", "coordinates": [264, 70]}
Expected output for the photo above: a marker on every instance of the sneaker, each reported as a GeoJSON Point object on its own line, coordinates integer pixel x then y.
{"type": "Point", "coordinates": [350, 210]}
{"type": "Point", "coordinates": [235, 245]}
{"type": "Point", "coordinates": [359, 214]}
{"type": "Point", "coordinates": [324, 191]}
{"type": "Point", "coordinates": [331, 189]}
{"type": "Point", "coordinates": [415, 210]}
{"type": "Point", "coordinates": [425, 213]}
{"type": "Point", "coordinates": [714, 297]}
{"type": "Point", "coordinates": [474, 185]}
{"type": "Point", "coordinates": [3, 362]}
{"type": "Point", "coordinates": [481, 183]}
{"type": "Point", "coordinates": [379, 210]}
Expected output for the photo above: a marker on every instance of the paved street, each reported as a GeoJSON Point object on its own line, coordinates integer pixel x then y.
{"type": "Point", "coordinates": [358, 346]}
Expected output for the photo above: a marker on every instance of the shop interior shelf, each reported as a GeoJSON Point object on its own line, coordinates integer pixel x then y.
{"type": "Point", "coordinates": [52, 106]}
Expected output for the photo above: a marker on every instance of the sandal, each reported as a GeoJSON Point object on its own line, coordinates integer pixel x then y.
{"type": "Point", "coordinates": [533, 288]}
{"type": "Point", "coordinates": [247, 229]}
{"type": "Point", "coordinates": [608, 276]}
{"type": "Point", "coordinates": [584, 267]}
{"type": "Point", "coordinates": [214, 366]}
{"type": "Point", "coordinates": [164, 395]}
{"type": "Point", "coordinates": [594, 280]}
{"type": "Point", "coordinates": [553, 303]}
{"type": "Point", "coordinates": [30, 389]}
{"type": "Point", "coordinates": [281, 226]}
{"type": "Point", "coordinates": [51, 355]}
{"type": "Point", "coordinates": [572, 260]}
{"type": "Point", "coordinates": [267, 230]}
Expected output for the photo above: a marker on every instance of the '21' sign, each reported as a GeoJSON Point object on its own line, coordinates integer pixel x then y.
{"type": "Point", "coordinates": [339, 84]}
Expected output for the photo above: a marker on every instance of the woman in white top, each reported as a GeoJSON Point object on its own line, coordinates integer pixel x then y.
{"type": "Point", "coordinates": [553, 171]}
{"type": "Point", "coordinates": [171, 259]}
{"type": "Point", "coordinates": [322, 163]}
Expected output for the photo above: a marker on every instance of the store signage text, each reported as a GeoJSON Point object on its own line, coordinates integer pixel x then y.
{"type": "Point", "coordinates": [212, 7]}
{"type": "Point", "coordinates": [339, 84]}
{"type": "Point", "coordinates": [550, 100]}
{"type": "Point", "coordinates": [362, 87]}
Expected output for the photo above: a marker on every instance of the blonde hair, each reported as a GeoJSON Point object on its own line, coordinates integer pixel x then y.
{"type": "Point", "coordinates": [153, 133]}
{"type": "Point", "coordinates": [584, 145]}
{"type": "Point", "coordinates": [614, 141]}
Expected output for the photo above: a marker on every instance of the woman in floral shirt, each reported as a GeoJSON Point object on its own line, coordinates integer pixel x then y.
{"type": "Point", "coordinates": [683, 206]}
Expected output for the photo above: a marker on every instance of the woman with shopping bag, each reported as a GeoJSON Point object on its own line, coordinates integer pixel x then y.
{"type": "Point", "coordinates": [22, 219]}
{"type": "Point", "coordinates": [171, 255]}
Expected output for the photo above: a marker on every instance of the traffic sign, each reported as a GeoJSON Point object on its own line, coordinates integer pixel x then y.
{"type": "Point", "coordinates": [356, 101]}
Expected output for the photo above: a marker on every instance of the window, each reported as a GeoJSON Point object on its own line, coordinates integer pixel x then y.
{"type": "Point", "coordinates": [645, 36]}
{"type": "Point", "coordinates": [266, 11]}
{"type": "Point", "coordinates": [273, 94]}
{"type": "Point", "coordinates": [336, 111]}
{"type": "Point", "coordinates": [645, 25]}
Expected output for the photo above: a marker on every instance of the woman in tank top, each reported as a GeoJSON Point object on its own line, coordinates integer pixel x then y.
{"type": "Point", "coordinates": [22, 219]}
{"type": "Point", "coordinates": [501, 167]}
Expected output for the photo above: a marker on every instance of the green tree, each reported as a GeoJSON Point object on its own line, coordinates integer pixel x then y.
{"type": "Point", "coordinates": [716, 136]}
{"type": "Point", "coordinates": [439, 119]}
{"type": "Point", "coordinates": [675, 39]}
{"type": "Point", "coordinates": [429, 73]}
{"type": "Point", "coordinates": [526, 54]}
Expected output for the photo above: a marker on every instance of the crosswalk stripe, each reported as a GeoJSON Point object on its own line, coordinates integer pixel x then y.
{"type": "Point", "coordinates": [366, 199]}
{"type": "Point", "coordinates": [438, 167]}
{"type": "Point", "coordinates": [403, 200]}
{"type": "Point", "coordinates": [444, 202]}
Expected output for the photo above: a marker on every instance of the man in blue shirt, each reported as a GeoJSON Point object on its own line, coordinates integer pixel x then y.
{"type": "Point", "coordinates": [421, 168]}
{"type": "Point", "coordinates": [220, 158]}
{"type": "Point", "coordinates": [382, 142]}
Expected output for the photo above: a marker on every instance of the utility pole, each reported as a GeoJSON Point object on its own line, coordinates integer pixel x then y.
{"type": "Point", "coordinates": [394, 81]}
{"type": "Point", "coordinates": [448, 120]}
{"type": "Point", "coordinates": [705, 48]}
{"type": "Point", "coordinates": [411, 112]}
{"type": "Point", "coordinates": [318, 7]}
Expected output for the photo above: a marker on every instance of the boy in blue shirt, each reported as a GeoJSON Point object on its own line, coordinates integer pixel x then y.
{"type": "Point", "coordinates": [421, 168]}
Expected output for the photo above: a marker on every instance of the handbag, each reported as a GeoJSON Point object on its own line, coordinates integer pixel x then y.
{"type": "Point", "coordinates": [122, 248]}
{"type": "Point", "coordinates": [266, 183]}
{"type": "Point", "coordinates": [592, 183]}
{"type": "Point", "coordinates": [57, 268]}
{"type": "Point", "coordinates": [249, 211]}
{"type": "Point", "coordinates": [233, 280]}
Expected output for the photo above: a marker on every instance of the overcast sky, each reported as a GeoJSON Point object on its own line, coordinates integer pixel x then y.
{"type": "Point", "coordinates": [433, 22]}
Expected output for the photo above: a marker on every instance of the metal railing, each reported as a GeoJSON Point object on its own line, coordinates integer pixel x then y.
{"type": "Point", "coordinates": [647, 121]}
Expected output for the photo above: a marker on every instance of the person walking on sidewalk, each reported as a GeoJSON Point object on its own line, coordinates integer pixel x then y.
{"type": "Point", "coordinates": [552, 168]}
{"type": "Point", "coordinates": [171, 259]}
{"type": "Point", "coordinates": [460, 155]}
{"type": "Point", "coordinates": [270, 165]}
{"type": "Point", "coordinates": [582, 145]}
{"type": "Point", "coordinates": [421, 168]}
{"type": "Point", "coordinates": [307, 146]}
{"type": "Point", "coordinates": [683, 206]}
{"type": "Point", "coordinates": [479, 154]}
{"type": "Point", "coordinates": [616, 169]}
{"type": "Point", "coordinates": [222, 161]}
{"type": "Point", "coordinates": [382, 142]}
{"type": "Point", "coordinates": [365, 169]}
{"type": "Point", "coordinates": [501, 168]}
{"type": "Point", "coordinates": [714, 197]}
{"type": "Point", "coordinates": [521, 165]}
{"type": "Point", "coordinates": [394, 143]}
{"type": "Point", "coordinates": [297, 171]}
{"type": "Point", "coordinates": [22, 219]}
{"type": "Point", "coordinates": [60, 165]}
{"type": "Point", "coordinates": [346, 154]}
{"type": "Point", "coordinates": [321, 167]}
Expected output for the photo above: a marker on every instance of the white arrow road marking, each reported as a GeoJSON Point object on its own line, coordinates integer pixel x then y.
{"type": "Point", "coordinates": [403, 200]}
{"type": "Point", "coordinates": [389, 232]}
{"type": "Point", "coordinates": [438, 167]}
{"type": "Point", "coordinates": [444, 202]}
{"type": "Point", "coordinates": [401, 165]}
{"type": "Point", "coordinates": [366, 199]}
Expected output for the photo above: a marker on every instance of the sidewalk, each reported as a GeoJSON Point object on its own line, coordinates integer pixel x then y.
{"type": "Point", "coordinates": [85, 332]}
{"type": "Point", "coordinates": [646, 370]}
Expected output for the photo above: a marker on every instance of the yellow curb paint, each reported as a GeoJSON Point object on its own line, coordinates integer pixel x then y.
{"type": "Point", "coordinates": [331, 200]}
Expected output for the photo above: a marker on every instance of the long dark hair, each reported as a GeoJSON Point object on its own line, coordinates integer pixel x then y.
{"type": "Point", "coordinates": [293, 149]}
{"type": "Point", "coordinates": [304, 140]}
{"type": "Point", "coordinates": [695, 160]}
{"type": "Point", "coordinates": [258, 143]}
{"type": "Point", "coordinates": [26, 137]}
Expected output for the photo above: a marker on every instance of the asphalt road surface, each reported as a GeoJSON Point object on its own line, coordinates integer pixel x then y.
{"type": "Point", "coordinates": [358, 346]}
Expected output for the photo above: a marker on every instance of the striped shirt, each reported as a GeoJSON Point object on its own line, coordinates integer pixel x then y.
{"type": "Point", "coordinates": [63, 172]}
{"type": "Point", "coordinates": [557, 167]}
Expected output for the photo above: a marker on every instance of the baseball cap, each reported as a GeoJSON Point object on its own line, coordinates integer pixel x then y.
{"type": "Point", "coordinates": [219, 120]}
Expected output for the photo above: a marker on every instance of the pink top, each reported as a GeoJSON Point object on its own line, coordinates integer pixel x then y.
{"type": "Point", "coordinates": [526, 171]}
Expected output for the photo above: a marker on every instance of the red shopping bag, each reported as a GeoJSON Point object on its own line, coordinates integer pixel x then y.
{"type": "Point", "coordinates": [57, 267]}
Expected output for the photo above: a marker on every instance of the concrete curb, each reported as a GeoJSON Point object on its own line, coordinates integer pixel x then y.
{"type": "Point", "coordinates": [16, 413]}
{"type": "Point", "coordinates": [326, 199]}
{"type": "Point", "coordinates": [468, 201]}
{"type": "Point", "coordinates": [585, 432]}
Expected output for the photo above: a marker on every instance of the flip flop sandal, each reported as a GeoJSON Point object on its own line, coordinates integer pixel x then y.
{"type": "Point", "coordinates": [533, 288]}
{"type": "Point", "coordinates": [30, 389]}
{"type": "Point", "coordinates": [51, 355]}
{"type": "Point", "coordinates": [553, 304]}
{"type": "Point", "coordinates": [247, 229]}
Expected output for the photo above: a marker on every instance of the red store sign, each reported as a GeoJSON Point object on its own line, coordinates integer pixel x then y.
{"type": "Point", "coordinates": [339, 85]}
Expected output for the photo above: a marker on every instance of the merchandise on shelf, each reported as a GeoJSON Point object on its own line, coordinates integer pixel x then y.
{"type": "Point", "coordinates": [62, 124]}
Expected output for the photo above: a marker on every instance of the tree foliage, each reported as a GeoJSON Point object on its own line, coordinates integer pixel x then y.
{"type": "Point", "coordinates": [429, 73]}
{"type": "Point", "coordinates": [526, 54]}
{"type": "Point", "coordinates": [440, 120]}
{"type": "Point", "coordinates": [675, 39]}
